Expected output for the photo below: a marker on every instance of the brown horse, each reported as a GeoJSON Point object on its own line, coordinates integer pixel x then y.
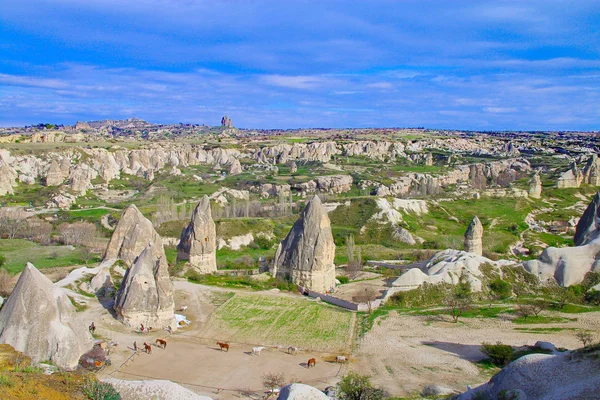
{"type": "Point", "coordinates": [161, 343]}
{"type": "Point", "coordinates": [223, 346]}
{"type": "Point", "coordinates": [147, 348]}
{"type": "Point", "coordinates": [311, 363]}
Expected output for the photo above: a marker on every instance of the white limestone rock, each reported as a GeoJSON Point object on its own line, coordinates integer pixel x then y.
{"type": "Point", "coordinates": [198, 240]}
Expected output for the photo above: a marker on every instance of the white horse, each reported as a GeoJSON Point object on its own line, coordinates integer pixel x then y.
{"type": "Point", "coordinates": [257, 350]}
{"type": "Point", "coordinates": [341, 359]}
{"type": "Point", "coordinates": [292, 350]}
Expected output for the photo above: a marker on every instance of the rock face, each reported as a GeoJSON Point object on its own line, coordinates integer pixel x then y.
{"type": "Point", "coordinates": [535, 187]}
{"type": "Point", "coordinates": [131, 236]}
{"type": "Point", "coordinates": [146, 293]}
{"type": "Point", "coordinates": [473, 237]}
{"type": "Point", "coordinates": [448, 266]}
{"type": "Point", "coordinates": [54, 175]}
{"type": "Point", "coordinates": [306, 254]}
{"type": "Point", "coordinates": [591, 172]}
{"type": "Point", "coordinates": [235, 168]}
{"type": "Point", "coordinates": [226, 122]}
{"type": "Point", "coordinates": [571, 178]}
{"type": "Point", "coordinates": [102, 283]}
{"type": "Point", "coordinates": [543, 376]}
{"type": "Point", "coordinates": [153, 389]}
{"type": "Point", "coordinates": [198, 242]}
{"type": "Point", "coordinates": [39, 320]}
{"type": "Point", "coordinates": [568, 265]}
{"type": "Point", "coordinates": [300, 391]}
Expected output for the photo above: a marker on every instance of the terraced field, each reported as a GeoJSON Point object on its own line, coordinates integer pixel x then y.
{"type": "Point", "coordinates": [286, 321]}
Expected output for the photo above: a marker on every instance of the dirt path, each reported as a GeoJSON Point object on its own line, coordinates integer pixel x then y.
{"type": "Point", "coordinates": [403, 353]}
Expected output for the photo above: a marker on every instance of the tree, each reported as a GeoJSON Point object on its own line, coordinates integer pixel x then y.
{"type": "Point", "coordinates": [500, 354]}
{"type": "Point", "coordinates": [12, 221]}
{"type": "Point", "coordinates": [5, 282]}
{"type": "Point", "coordinates": [500, 289]}
{"type": "Point", "coordinates": [459, 300]}
{"type": "Point", "coordinates": [563, 296]}
{"type": "Point", "coordinates": [525, 310]}
{"type": "Point", "coordinates": [273, 381]}
{"type": "Point", "coordinates": [586, 338]}
{"type": "Point", "coordinates": [350, 247]}
{"type": "Point", "coordinates": [367, 296]}
{"type": "Point", "coordinates": [354, 386]}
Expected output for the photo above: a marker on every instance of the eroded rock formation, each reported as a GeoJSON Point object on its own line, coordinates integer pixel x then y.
{"type": "Point", "coordinates": [568, 265]}
{"type": "Point", "coordinates": [306, 254]}
{"type": "Point", "coordinates": [131, 236]}
{"type": "Point", "coordinates": [473, 237]}
{"type": "Point", "coordinates": [198, 240]}
{"type": "Point", "coordinates": [39, 320]}
{"type": "Point", "coordinates": [146, 293]}
{"type": "Point", "coordinates": [535, 187]}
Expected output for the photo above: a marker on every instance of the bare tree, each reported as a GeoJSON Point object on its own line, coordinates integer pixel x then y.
{"type": "Point", "coordinates": [273, 381]}
{"type": "Point", "coordinates": [350, 247]}
{"type": "Point", "coordinates": [368, 296]}
{"type": "Point", "coordinates": [586, 338]}
{"type": "Point", "coordinates": [526, 310]}
{"type": "Point", "coordinates": [38, 230]}
{"type": "Point", "coordinates": [79, 233]}
{"type": "Point", "coordinates": [12, 220]}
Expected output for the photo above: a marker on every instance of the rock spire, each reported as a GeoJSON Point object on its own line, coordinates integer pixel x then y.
{"type": "Point", "coordinates": [306, 254]}
{"type": "Point", "coordinates": [473, 237]}
{"type": "Point", "coordinates": [39, 320]}
{"type": "Point", "coordinates": [198, 242]}
{"type": "Point", "coordinates": [146, 293]}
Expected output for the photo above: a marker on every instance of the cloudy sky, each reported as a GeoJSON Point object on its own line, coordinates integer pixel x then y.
{"type": "Point", "coordinates": [481, 65]}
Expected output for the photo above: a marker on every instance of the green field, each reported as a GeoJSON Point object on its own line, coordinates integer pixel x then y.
{"type": "Point", "coordinates": [286, 321]}
{"type": "Point", "coordinates": [20, 251]}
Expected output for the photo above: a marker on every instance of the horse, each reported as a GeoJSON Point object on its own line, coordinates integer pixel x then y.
{"type": "Point", "coordinates": [257, 350]}
{"type": "Point", "coordinates": [183, 308]}
{"type": "Point", "coordinates": [147, 348]}
{"type": "Point", "coordinates": [292, 350]}
{"type": "Point", "coordinates": [161, 343]}
{"type": "Point", "coordinates": [92, 328]}
{"type": "Point", "coordinates": [311, 363]}
{"type": "Point", "coordinates": [341, 359]}
{"type": "Point", "coordinates": [223, 346]}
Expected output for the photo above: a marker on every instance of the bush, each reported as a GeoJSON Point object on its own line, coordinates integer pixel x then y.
{"type": "Point", "coordinates": [343, 279]}
{"type": "Point", "coordinates": [358, 387]}
{"type": "Point", "coordinates": [501, 289]}
{"type": "Point", "coordinates": [263, 242]}
{"type": "Point", "coordinates": [500, 354]}
{"type": "Point", "coordinates": [95, 390]}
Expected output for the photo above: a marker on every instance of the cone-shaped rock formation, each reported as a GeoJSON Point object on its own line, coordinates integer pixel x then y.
{"type": "Point", "coordinates": [198, 242]}
{"type": "Point", "coordinates": [473, 237]}
{"type": "Point", "coordinates": [131, 237]}
{"type": "Point", "coordinates": [39, 320]}
{"type": "Point", "coordinates": [535, 187]}
{"type": "Point", "coordinates": [146, 293]}
{"type": "Point", "coordinates": [306, 254]}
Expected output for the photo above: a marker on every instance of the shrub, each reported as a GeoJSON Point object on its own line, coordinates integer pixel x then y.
{"type": "Point", "coordinates": [500, 354]}
{"type": "Point", "coordinates": [95, 390]}
{"type": "Point", "coordinates": [343, 279]}
{"type": "Point", "coordinates": [263, 242]}
{"type": "Point", "coordinates": [500, 289]}
{"type": "Point", "coordinates": [358, 387]}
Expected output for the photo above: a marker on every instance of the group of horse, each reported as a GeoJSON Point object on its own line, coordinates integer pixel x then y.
{"type": "Point", "coordinates": [148, 348]}
{"type": "Point", "coordinates": [291, 350]}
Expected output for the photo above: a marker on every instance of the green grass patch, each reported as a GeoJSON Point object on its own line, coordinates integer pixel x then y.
{"type": "Point", "coordinates": [276, 320]}
{"type": "Point", "coordinates": [542, 319]}
{"type": "Point", "coordinates": [20, 251]}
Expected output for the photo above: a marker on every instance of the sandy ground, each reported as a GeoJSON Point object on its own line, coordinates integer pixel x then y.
{"type": "Point", "coordinates": [403, 353]}
{"type": "Point", "coordinates": [197, 363]}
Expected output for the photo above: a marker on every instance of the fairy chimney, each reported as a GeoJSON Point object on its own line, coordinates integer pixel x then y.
{"type": "Point", "coordinates": [473, 237]}
{"type": "Point", "coordinates": [198, 243]}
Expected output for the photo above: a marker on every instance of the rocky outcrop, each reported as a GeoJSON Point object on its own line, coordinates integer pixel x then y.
{"type": "Point", "coordinates": [146, 293]}
{"type": "Point", "coordinates": [152, 389]}
{"type": "Point", "coordinates": [334, 184]}
{"type": "Point", "coordinates": [131, 236]}
{"type": "Point", "coordinates": [293, 168]}
{"type": "Point", "coordinates": [449, 266]}
{"type": "Point", "coordinates": [570, 375]}
{"type": "Point", "coordinates": [306, 254]}
{"type": "Point", "coordinates": [80, 179]}
{"type": "Point", "coordinates": [39, 320]}
{"type": "Point", "coordinates": [591, 171]}
{"type": "Point", "coordinates": [473, 236]}
{"type": "Point", "coordinates": [572, 178]}
{"type": "Point", "coordinates": [54, 176]}
{"type": "Point", "coordinates": [235, 168]}
{"type": "Point", "coordinates": [283, 153]}
{"type": "Point", "coordinates": [198, 243]}
{"type": "Point", "coordinates": [102, 283]}
{"type": "Point", "coordinates": [7, 179]}
{"type": "Point", "coordinates": [535, 187]}
{"type": "Point", "coordinates": [569, 265]}
{"type": "Point", "coordinates": [301, 391]}
{"type": "Point", "coordinates": [226, 122]}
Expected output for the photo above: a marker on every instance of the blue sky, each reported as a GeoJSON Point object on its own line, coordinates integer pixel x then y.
{"type": "Point", "coordinates": [479, 65]}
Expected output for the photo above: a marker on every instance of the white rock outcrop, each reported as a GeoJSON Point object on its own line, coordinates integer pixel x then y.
{"type": "Point", "coordinates": [39, 320]}
{"type": "Point", "coordinates": [301, 391]}
{"type": "Point", "coordinates": [473, 237]}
